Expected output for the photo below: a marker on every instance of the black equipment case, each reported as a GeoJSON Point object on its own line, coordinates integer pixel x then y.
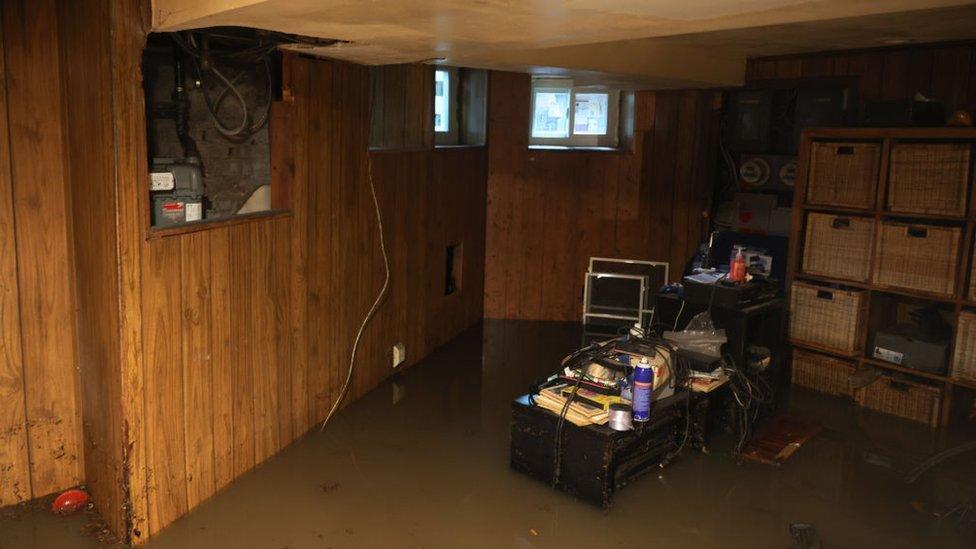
{"type": "Point", "coordinates": [595, 459]}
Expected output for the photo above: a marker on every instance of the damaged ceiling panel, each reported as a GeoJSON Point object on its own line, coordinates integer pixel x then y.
{"type": "Point", "coordinates": [647, 43]}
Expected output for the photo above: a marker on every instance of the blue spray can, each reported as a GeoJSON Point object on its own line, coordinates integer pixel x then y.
{"type": "Point", "coordinates": [643, 387]}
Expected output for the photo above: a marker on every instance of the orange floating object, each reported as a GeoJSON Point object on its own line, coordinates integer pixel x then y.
{"type": "Point", "coordinates": [69, 501]}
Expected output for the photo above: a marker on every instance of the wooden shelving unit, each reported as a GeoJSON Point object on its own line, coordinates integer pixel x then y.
{"type": "Point", "coordinates": [957, 302]}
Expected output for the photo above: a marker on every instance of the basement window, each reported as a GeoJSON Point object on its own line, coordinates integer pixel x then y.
{"type": "Point", "coordinates": [444, 100]}
{"type": "Point", "coordinates": [568, 116]}
{"type": "Point", "coordinates": [460, 106]}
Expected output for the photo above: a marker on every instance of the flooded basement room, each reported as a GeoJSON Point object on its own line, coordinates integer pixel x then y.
{"type": "Point", "coordinates": [287, 274]}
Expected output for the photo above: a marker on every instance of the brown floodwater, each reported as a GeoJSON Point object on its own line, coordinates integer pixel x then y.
{"type": "Point", "coordinates": [422, 461]}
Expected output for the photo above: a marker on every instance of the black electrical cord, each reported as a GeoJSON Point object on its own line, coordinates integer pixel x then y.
{"type": "Point", "coordinates": [577, 360]}
{"type": "Point", "coordinates": [749, 395]}
{"type": "Point", "coordinates": [557, 450]}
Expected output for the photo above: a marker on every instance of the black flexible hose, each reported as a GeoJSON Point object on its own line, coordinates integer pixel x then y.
{"type": "Point", "coordinates": [182, 107]}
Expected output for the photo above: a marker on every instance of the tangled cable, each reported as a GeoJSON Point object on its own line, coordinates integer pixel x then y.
{"type": "Point", "coordinates": [749, 394]}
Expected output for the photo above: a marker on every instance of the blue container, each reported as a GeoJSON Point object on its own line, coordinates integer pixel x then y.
{"type": "Point", "coordinates": [643, 389]}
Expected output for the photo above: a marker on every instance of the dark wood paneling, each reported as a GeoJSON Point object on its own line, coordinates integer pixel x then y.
{"type": "Point", "coordinates": [198, 378]}
{"type": "Point", "coordinates": [86, 64]}
{"type": "Point", "coordinates": [261, 315]}
{"type": "Point", "coordinates": [402, 98]}
{"type": "Point", "coordinates": [15, 482]}
{"type": "Point", "coordinates": [945, 72]}
{"type": "Point", "coordinates": [164, 396]}
{"type": "Point", "coordinates": [42, 229]}
{"type": "Point", "coordinates": [129, 22]}
{"type": "Point", "coordinates": [550, 211]}
{"type": "Point", "coordinates": [204, 353]}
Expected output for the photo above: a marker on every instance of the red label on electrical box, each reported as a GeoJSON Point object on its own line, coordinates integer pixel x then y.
{"type": "Point", "coordinates": [173, 206]}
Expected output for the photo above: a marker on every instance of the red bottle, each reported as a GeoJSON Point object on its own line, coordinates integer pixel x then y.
{"type": "Point", "coordinates": [737, 270]}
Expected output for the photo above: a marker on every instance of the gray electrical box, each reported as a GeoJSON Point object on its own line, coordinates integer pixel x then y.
{"type": "Point", "coordinates": [176, 187]}
{"type": "Point", "coordinates": [906, 346]}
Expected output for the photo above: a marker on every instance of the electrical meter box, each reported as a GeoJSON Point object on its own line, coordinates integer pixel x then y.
{"type": "Point", "coordinates": [176, 187]}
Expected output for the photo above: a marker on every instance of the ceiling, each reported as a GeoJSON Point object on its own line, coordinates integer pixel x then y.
{"type": "Point", "coordinates": [633, 43]}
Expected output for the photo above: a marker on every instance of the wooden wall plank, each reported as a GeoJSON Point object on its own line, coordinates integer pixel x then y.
{"type": "Point", "coordinates": [222, 357]}
{"type": "Point", "coordinates": [242, 348]}
{"type": "Point", "coordinates": [298, 315]}
{"type": "Point", "coordinates": [416, 96]}
{"type": "Point", "coordinates": [320, 224]}
{"type": "Point", "coordinates": [15, 484]}
{"type": "Point", "coordinates": [164, 397]}
{"type": "Point", "coordinates": [86, 66]}
{"type": "Point", "coordinates": [44, 254]}
{"type": "Point", "coordinates": [260, 329]}
{"type": "Point", "coordinates": [685, 161]}
{"type": "Point", "coordinates": [394, 106]}
{"type": "Point", "coordinates": [950, 76]}
{"type": "Point", "coordinates": [660, 173]}
{"type": "Point", "coordinates": [129, 24]}
{"type": "Point", "coordinates": [896, 72]}
{"type": "Point", "coordinates": [920, 72]}
{"type": "Point", "coordinates": [282, 350]}
{"type": "Point", "coordinates": [198, 411]}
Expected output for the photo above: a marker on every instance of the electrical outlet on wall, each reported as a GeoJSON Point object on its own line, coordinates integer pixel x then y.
{"type": "Point", "coordinates": [399, 354]}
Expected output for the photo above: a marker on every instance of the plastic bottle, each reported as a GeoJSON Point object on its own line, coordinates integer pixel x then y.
{"type": "Point", "coordinates": [643, 387]}
{"type": "Point", "coordinates": [737, 270]}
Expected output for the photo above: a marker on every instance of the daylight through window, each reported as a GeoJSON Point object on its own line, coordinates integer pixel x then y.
{"type": "Point", "coordinates": [564, 115]}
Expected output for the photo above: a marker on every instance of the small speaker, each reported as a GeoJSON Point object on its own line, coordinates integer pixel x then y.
{"type": "Point", "coordinates": [767, 172]}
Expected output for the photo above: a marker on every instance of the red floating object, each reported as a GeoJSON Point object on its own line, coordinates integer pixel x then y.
{"type": "Point", "coordinates": [69, 501]}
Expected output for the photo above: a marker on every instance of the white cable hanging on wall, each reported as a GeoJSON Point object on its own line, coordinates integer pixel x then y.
{"type": "Point", "coordinates": [376, 302]}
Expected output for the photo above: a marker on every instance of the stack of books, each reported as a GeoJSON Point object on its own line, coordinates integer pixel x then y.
{"type": "Point", "coordinates": [587, 407]}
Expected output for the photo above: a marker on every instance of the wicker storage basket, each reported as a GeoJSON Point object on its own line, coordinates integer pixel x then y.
{"type": "Point", "coordinates": [917, 257]}
{"type": "Point", "coordinates": [843, 174]}
{"type": "Point", "coordinates": [838, 246]}
{"type": "Point", "coordinates": [902, 398]}
{"type": "Point", "coordinates": [826, 317]}
{"type": "Point", "coordinates": [822, 373]}
{"type": "Point", "coordinates": [929, 178]}
{"type": "Point", "coordinates": [964, 357]}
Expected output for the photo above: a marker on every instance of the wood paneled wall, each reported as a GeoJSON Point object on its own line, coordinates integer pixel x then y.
{"type": "Point", "coordinates": [40, 427]}
{"type": "Point", "coordinates": [945, 72]}
{"type": "Point", "coordinates": [549, 211]}
{"type": "Point", "coordinates": [200, 354]}
{"type": "Point", "coordinates": [402, 107]}
{"type": "Point", "coordinates": [247, 329]}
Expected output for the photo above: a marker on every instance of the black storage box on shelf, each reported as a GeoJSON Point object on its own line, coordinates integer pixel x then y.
{"type": "Point", "coordinates": [595, 460]}
{"type": "Point", "coordinates": [906, 346]}
{"type": "Point", "coordinates": [897, 113]}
